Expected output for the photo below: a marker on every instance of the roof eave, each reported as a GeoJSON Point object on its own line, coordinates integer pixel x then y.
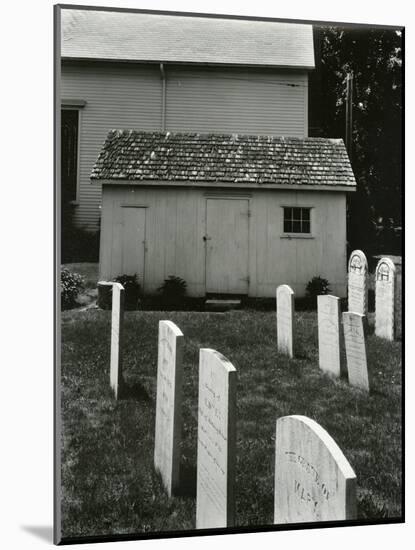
{"type": "Point", "coordinates": [193, 63]}
{"type": "Point", "coordinates": [240, 185]}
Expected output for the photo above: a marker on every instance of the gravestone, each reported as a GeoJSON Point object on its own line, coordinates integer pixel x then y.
{"type": "Point", "coordinates": [328, 311]}
{"type": "Point", "coordinates": [216, 441]}
{"type": "Point", "coordinates": [313, 479]}
{"type": "Point", "coordinates": [117, 317]}
{"type": "Point", "coordinates": [168, 405]}
{"type": "Point", "coordinates": [357, 283]}
{"type": "Point", "coordinates": [285, 313]}
{"type": "Point", "coordinates": [398, 302]}
{"type": "Point", "coordinates": [385, 299]}
{"type": "Point", "coordinates": [354, 341]}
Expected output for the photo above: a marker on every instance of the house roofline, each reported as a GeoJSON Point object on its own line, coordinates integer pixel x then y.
{"type": "Point", "coordinates": [315, 22]}
{"type": "Point", "coordinates": [186, 63]}
{"type": "Point", "coordinates": [230, 185]}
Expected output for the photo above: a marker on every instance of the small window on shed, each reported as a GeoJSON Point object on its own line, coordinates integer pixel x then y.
{"type": "Point", "coordinates": [297, 220]}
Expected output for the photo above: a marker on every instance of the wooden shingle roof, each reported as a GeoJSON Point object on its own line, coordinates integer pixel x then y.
{"type": "Point", "coordinates": [129, 155]}
{"type": "Point", "coordinates": [151, 37]}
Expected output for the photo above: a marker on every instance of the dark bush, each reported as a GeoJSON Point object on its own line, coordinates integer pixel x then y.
{"type": "Point", "coordinates": [132, 290]}
{"type": "Point", "coordinates": [173, 291]}
{"type": "Point", "coordinates": [316, 287]}
{"type": "Point", "coordinates": [71, 285]}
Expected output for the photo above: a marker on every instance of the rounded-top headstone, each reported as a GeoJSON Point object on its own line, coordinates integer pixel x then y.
{"type": "Point", "coordinates": [357, 282]}
{"type": "Point", "coordinates": [385, 299]}
{"type": "Point", "coordinates": [168, 429]}
{"type": "Point", "coordinates": [216, 447]}
{"type": "Point", "coordinates": [285, 314]}
{"type": "Point", "coordinates": [313, 479]}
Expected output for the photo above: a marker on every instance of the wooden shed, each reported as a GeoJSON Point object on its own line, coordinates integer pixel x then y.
{"type": "Point", "coordinates": [230, 214]}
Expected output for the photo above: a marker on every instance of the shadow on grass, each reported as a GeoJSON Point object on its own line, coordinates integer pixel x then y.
{"type": "Point", "coordinates": [134, 392]}
{"type": "Point", "coordinates": [187, 485]}
{"type": "Point", "coordinates": [302, 356]}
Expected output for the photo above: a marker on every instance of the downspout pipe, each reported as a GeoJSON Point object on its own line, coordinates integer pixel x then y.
{"type": "Point", "coordinates": [163, 97]}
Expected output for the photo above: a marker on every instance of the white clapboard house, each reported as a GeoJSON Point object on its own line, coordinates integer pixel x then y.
{"type": "Point", "coordinates": [204, 169]}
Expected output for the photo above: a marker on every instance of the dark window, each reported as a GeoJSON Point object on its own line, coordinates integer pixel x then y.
{"type": "Point", "coordinates": [69, 154]}
{"type": "Point", "coordinates": [297, 220]}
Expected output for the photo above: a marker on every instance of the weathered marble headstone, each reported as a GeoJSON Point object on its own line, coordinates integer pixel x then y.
{"type": "Point", "coordinates": [313, 479]}
{"type": "Point", "coordinates": [285, 315]}
{"type": "Point", "coordinates": [328, 311]}
{"type": "Point", "coordinates": [168, 405]}
{"type": "Point", "coordinates": [357, 283]}
{"type": "Point", "coordinates": [385, 299]}
{"type": "Point", "coordinates": [398, 303]}
{"type": "Point", "coordinates": [117, 317]}
{"type": "Point", "coordinates": [354, 341]}
{"type": "Point", "coordinates": [216, 441]}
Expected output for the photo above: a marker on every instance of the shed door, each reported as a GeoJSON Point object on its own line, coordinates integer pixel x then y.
{"type": "Point", "coordinates": [132, 245]}
{"type": "Point", "coordinates": [227, 229]}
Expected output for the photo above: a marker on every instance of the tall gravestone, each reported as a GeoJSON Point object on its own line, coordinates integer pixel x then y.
{"type": "Point", "coordinates": [117, 317]}
{"type": "Point", "coordinates": [357, 282]}
{"type": "Point", "coordinates": [398, 302]}
{"type": "Point", "coordinates": [354, 341]}
{"type": "Point", "coordinates": [313, 479]}
{"type": "Point", "coordinates": [168, 405]}
{"type": "Point", "coordinates": [328, 312]}
{"type": "Point", "coordinates": [285, 315]}
{"type": "Point", "coordinates": [385, 299]}
{"type": "Point", "coordinates": [216, 441]}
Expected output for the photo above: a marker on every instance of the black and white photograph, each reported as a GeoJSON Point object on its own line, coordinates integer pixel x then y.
{"type": "Point", "coordinates": [229, 229]}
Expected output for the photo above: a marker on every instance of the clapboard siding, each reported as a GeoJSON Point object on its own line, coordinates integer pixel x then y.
{"type": "Point", "coordinates": [117, 96]}
{"type": "Point", "coordinates": [235, 101]}
{"type": "Point", "coordinates": [176, 224]}
{"type": "Point", "coordinates": [129, 96]}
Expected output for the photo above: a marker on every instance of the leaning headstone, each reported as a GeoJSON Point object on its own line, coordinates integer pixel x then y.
{"type": "Point", "coordinates": [168, 405]}
{"type": "Point", "coordinates": [216, 441]}
{"type": "Point", "coordinates": [313, 479]}
{"type": "Point", "coordinates": [354, 341]}
{"type": "Point", "coordinates": [385, 299]}
{"type": "Point", "coordinates": [357, 283]}
{"type": "Point", "coordinates": [328, 312]}
{"type": "Point", "coordinates": [285, 313]}
{"type": "Point", "coordinates": [117, 317]}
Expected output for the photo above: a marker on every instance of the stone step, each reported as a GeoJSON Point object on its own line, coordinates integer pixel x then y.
{"type": "Point", "coordinates": [221, 305]}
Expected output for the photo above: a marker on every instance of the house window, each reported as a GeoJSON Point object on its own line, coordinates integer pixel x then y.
{"type": "Point", "coordinates": [69, 154]}
{"type": "Point", "coordinates": [297, 220]}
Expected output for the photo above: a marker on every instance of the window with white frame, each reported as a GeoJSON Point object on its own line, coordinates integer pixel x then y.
{"type": "Point", "coordinates": [297, 220]}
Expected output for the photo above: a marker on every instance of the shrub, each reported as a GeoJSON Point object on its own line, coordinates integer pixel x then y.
{"type": "Point", "coordinates": [316, 287]}
{"type": "Point", "coordinates": [173, 290]}
{"type": "Point", "coordinates": [132, 290]}
{"type": "Point", "coordinates": [71, 285]}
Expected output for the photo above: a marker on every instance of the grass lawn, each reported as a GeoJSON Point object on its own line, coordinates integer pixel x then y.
{"type": "Point", "coordinates": [108, 480]}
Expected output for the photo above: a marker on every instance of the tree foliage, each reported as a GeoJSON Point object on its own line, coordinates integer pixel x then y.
{"type": "Point", "coordinates": [374, 56]}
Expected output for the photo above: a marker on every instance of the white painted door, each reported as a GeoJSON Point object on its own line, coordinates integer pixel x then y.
{"type": "Point", "coordinates": [227, 230]}
{"type": "Point", "coordinates": [133, 242]}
